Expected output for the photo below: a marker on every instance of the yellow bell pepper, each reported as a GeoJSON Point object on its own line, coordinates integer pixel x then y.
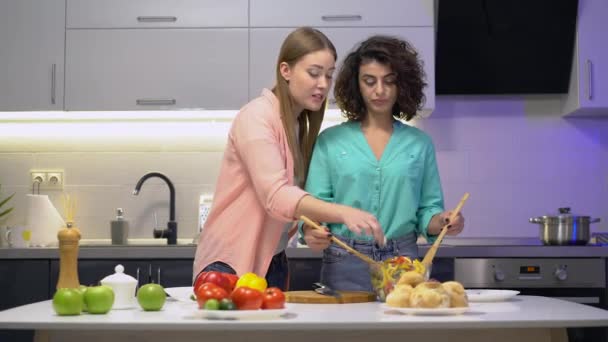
{"type": "Point", "coordinates": [252, 281]}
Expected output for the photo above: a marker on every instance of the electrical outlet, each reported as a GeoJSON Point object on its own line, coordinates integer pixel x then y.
{"type": "Point", "coordinates": [48, 179]}
{"type": "Point", "coordinates": [39, 177]}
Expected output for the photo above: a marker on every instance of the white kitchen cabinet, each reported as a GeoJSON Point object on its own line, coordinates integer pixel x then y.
{"type": "Point", "coordinates": [156, 13]}
{"type": "Point", "coordinates": [141, 69]}
{"type": "Point", "coordinates": [266, 42]}
{"type": "Point", "coordinates": [588, 93]}
{"type": "Point", "coordinates": [340, 13]}
{"type": "Point", "coordinates": [31, 54]}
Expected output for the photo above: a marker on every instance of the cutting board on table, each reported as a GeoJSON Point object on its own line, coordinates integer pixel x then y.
{"type": "Point", "coordinates": [311, 297]}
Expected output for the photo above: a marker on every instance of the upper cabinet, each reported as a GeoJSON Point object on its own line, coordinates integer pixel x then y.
{"type": "Point", "coordinates": [340, 13]}
{"type": "Point", "coordinates": [103, 55]}
{"type": "Point", "coordinates": [141, 55]}
{"type": "Point", "coordinates": [156, 69]}
{"type": "Point", "coordinates": [156, 13]}
{"type": "Point", "coordinates": [31, 54]}
{"type": "Point", "coordinates": [346, 23]}
{"type": "Point", "coordinates": [588, 94]}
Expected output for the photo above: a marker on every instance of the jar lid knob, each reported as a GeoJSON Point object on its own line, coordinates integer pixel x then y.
{"type": "Point", "coordinates": [119, 268]}
{"type": "Point", "coordinates": [564, 210]}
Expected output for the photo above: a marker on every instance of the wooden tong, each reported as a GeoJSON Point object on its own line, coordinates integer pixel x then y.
{"type": "Point", "coordinates": [428, 258]}
{"type": "Point", "coordinates": [340, 242]}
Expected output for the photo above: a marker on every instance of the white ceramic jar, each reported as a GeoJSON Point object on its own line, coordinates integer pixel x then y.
{"type": "Point", "coordinates": [124, 288]}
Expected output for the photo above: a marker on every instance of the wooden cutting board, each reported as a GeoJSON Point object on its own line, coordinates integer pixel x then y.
{"type": "Point", "coordinates": [311, 297]}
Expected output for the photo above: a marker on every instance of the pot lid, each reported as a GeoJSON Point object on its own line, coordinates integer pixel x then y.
{"type": "Point", "coordinates": [565, 216]}
{"type": "Point", "coordinates": [565, 212]}
{"type": "Point", "coordinates": [119, 277]}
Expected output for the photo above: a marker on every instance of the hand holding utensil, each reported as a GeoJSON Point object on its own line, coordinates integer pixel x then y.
{"type": "Point", "coordinates": [340, 242]}
{"type": "Point", "coordinates": [428, 258]}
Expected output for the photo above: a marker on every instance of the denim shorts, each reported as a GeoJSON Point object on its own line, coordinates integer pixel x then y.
{"type": "Point", "coordinates": [276, 276]}
{"type": "Point", "coordinates": [343, 271]}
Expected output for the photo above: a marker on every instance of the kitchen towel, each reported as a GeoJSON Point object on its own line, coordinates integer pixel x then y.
{"type": "Point", "coordinates": [43, 220]}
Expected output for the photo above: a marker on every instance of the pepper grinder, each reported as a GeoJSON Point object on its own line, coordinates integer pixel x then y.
{"type": "Point", "coordinates": [68, 257]}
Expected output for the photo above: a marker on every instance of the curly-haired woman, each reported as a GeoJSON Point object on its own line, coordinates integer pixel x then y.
{"type": "Point", "coordinates": [376, 163]}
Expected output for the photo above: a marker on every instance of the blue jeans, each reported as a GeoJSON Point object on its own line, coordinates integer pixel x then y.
{"type": "Point", "coordinates": [343, 271]}
{"type": "Point", "coordinates": [276, 276]}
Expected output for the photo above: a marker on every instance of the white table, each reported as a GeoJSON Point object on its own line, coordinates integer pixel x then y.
{"type": "Point", "coordinates": [525, 318]}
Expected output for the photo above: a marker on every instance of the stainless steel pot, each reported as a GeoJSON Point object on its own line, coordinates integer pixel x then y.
{"type": "Point", "coordinates": [565, 228]}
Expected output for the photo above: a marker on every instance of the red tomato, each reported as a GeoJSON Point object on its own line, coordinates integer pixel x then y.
{"type": "Point", "coordinates": [217, 278]}
{"type": "Point", "coordinates": [274, 298]}
{"type": "Point", "coordinates": [246, 298]}
{"type": "Point", "coordinates": [208, 291]}
{"type": "Point", "coordinates": [199, 280]}
{"type": "Point", "coordinates": [232, 278]}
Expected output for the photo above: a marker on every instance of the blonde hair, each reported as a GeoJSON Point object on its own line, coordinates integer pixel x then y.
{"type": "Point", "coordinates": [298, 44]}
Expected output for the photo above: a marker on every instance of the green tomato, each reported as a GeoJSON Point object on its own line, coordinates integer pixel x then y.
{"type": "Point", "coordinates": [227, 304]}
{"type": "Point", "coordinates": [67, 302]}
{"type": "Point", "coordinates": [151, 297]}
{"type": "Point", "coordinates": [212, 304]}
{"type": "Point", "coordinates": [99, 299]}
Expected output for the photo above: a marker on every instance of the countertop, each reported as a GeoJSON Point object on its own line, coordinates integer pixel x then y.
{"type": "Point", "coordinates": [519, 312]}
{"type": "Point", "coordinates": [451, 248]}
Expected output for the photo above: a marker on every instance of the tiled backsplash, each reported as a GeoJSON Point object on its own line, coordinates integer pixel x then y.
{"type": "Point", "coordinates": [514, 155]}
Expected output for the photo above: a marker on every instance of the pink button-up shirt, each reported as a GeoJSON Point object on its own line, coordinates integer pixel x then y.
{"type": "Point", "coordinates": [254, 195]}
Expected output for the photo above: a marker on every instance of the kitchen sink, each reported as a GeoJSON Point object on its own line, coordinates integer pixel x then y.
{"type": "Point", "coordinates": [133, 243]}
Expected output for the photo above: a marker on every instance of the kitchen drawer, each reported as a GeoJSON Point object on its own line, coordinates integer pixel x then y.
{"type": "Point", "coordinates": [156, 69]}
{"type": "Point", "coordinates": [322, 13]}
{"type": "Point", "coordinates": [156, 13]}
{"type": "Point", "coordinates": [266, 42]}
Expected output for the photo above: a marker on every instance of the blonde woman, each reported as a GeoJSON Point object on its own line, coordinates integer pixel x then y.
{"type": "Point", "coordinates": [258, 195]}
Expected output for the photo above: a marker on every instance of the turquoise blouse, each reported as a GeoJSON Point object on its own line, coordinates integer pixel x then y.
{"type": "Point", "coordinates": [402, 189]}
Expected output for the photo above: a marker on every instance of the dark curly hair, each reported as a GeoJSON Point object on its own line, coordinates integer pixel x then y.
{"type": "Point", "coordinates": [403, 60]}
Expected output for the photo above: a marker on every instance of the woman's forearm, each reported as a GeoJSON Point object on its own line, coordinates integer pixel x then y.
{"type": "Point", "coordinates": [358, 221]}
{"type": "Point", "coordinates": [319, 210]}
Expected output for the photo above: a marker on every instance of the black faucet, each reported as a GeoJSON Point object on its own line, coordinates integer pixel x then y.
{"type": "Point", "coordinates": [171, 232]}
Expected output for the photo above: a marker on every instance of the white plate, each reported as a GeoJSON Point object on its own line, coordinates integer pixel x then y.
{"type": "Point", "coordinates": [428, 312]}
{"type": "Point", "coordinates": [181, 294]}
{"type": "Point", "coordinates": [483, 295]}
{"type": "Point", "coordinates": [239, 314]}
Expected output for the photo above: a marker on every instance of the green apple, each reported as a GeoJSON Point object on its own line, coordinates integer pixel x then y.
{"type": "Point", "coordinates": [151, 297]}
{"type": "Point", "coordinates": [82, 290]}
{"type": "Point", "coordinates": [99, 299]}
{"type": "Point", "coordinates": [67, 302]}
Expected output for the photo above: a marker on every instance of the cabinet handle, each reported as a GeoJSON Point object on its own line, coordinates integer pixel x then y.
{"type": "Point", "coordinates": [589, 70]}
{"type": "Point", "coordinates": [341, 17]}
{"type": "Point", "coordinates": [155, 102]}
{"type": "Point", "coordinates": [158, 276]}
{"type": "Point", "coordinates": [137, 277]}
{"type": "Point", "coordinates": [53, 78]}
{"type": "Point", "coordinates": [157, 19]}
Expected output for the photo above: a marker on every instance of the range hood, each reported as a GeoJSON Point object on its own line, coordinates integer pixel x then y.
{"type": "Point", "coordinates": [504, 46]}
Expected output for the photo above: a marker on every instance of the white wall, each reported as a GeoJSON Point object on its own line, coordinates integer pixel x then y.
{"type": "Point", "coordinates": [516, 157]}
{"type": "Point", "coordinates": [519, 160]}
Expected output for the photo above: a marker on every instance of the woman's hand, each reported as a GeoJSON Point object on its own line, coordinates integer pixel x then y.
{"type": "Point", "coordinates": [362, 223]}
{"type": "Point", "coordinates": [316, 239]}
{"type": "Point", "coordinates": [438, 221]}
